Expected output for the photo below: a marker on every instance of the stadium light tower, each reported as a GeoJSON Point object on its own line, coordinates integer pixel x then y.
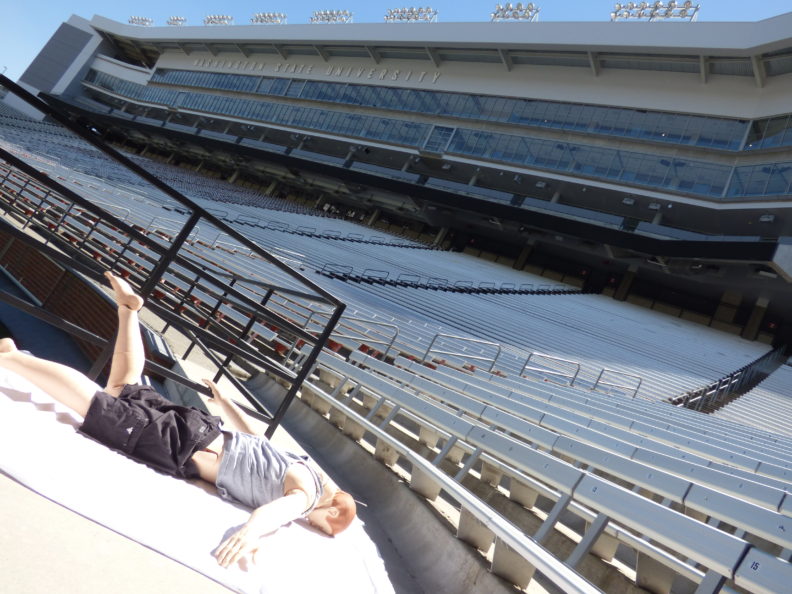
{"type": "Point", "coordinates": [141, 21]}
{"type": "Point", "coordinates": [218, 19]}
{"type": "Point", "coordinates": [656, 11]}
{"type": "Point", "coordinates": [518, 12]}
{"type": "Point", "coordinates": [268, 18]}
{"type": "Point", "coordinates": [176, 21]}
{"type": "Point", "coordinates": [331, 16]}
{"type": "Point", "coordinates": [411, 15]}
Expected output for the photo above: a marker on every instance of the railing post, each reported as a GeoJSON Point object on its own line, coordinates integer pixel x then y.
{"type": "Point", "coordinates": [304, 370]}
{"type": "Point", "coordinates": [148, 287]}
{"type": "Point", "coordinates": [242, 336]}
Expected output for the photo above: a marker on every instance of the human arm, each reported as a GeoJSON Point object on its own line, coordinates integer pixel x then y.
{"type": "Point", "coordinates": [231, 413]}
{"type": "Point", "coordinates": [264, 520]}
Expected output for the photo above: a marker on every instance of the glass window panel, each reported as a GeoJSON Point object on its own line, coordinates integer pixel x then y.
{"type": "Point", "coordinates": [341, 93]}
{"type": "Point", "coordinates": [279, 86]}
{"type": "Point", "coordinates": [584, 116]}
{"type": "Point", "coordinates": [563, 113]}
{"type": "Point", "coordinates": [265, 86]}
{"type": "Point", "coordinates": [709, 179]}
{"type": "Point", "coordinates": [295, 88]}
{"type": "Point", "coordinates": [584, 159]}
{"type": "Point", "coordinates": [779, 178]}
{"type": "Point", "coordinates": [655, 170]}
{"type": "Point", "coordinates": [739, 180]}
{"type": "Point", "coordinates": [498, 108]}
{"type": "Point", "coordinates": [529, 112]}
{"type": "Point", "coordinates": [774, 131]}
{"type": "Point", "coordinates": [755, 180]}
{"type": "Point", "coordinates": [631, 166]}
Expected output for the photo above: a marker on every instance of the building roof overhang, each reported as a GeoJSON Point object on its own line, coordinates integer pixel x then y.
{"type": "Point", "coordinates": [503, 42]}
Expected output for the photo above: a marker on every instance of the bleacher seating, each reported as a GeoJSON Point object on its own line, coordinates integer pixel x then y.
{"type": "Point", "coordinates": [557, 402]}
{"type": "Point", "coordinates": [768, 406]}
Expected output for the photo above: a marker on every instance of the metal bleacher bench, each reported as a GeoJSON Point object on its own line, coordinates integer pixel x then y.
{"type": "Point", "coordinates": [608, 454]}
{"type": "Point", "coordinates": [719, 551]}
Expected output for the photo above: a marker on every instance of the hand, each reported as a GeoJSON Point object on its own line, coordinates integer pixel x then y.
{"type": "Point", "coordinates": [239, 545]}
{"type": "Point", "coordinates": [216, 394]}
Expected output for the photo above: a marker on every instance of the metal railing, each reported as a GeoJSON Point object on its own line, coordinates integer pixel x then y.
{"type": "Point", "coordinates": [603, 382]}
{"type": "Point", "coordinates": [545, 371]}
{"type": "Point", "coordinates": [346, 324]}
{"type": "Point", "coordinates": [461, 353]}
{"type": "Point", "coordinates": [81, 235]}
{"type": "Point", "coordinates": [715, 394]}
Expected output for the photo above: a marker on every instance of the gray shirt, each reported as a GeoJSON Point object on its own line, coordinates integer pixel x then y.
{"type": "Point", "coordinates": [252, 471]}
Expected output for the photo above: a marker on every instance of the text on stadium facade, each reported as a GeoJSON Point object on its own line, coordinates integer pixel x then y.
{"type": "Point", "coordinates": [352, 72]}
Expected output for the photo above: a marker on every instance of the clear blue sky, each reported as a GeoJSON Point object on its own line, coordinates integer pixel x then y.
{"type": "Point", "coordinates": [28, 24]}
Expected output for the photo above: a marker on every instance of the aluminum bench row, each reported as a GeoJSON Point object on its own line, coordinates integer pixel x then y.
{"type": "Point", "coordinates": [607, 453]}
{"type": "Point", "coordinates": [720, 552]}
{"type": "Point", "coordinates": [703, 441]}
{"type": "Point", "coordinates": [641, 416]}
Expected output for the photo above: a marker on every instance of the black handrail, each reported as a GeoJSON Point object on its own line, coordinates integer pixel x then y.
{"type": "Point", "coordinates": [94, 140]}
{"type": "Point", "coordinates": [732, 384]}
{"type": "Point", "coordinates": [164, 257]}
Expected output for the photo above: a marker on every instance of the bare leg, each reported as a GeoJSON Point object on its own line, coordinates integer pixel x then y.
{"type": "Point", "coordinates": [128, 354]}
{"type": "Point", "coordinates": [68, 386]}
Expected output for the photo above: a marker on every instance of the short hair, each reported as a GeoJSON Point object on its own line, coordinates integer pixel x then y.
{"type": "Point", "coordinates": [347, 510]}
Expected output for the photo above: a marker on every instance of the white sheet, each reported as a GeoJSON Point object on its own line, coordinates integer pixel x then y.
{"type": "Point", "coordinates": [40, 448]}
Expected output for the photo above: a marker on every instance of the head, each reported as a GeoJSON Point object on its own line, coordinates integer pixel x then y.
{"type": "Point", "coordinates": [336, 516]}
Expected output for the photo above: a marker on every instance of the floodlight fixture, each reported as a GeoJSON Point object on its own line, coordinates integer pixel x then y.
{"type": "Point", "coordinates": [411, 15]}
{"type": "Point", "coordinates": [331, 16]}
{"type": "Point", "coordinates": [218, 19]}
{"type": "Point", "coordinates": [656, 11]}
{"type": "Point", "coordinates": [268, 18]}
{"type": "Point", "coordinates": [176, 21]}
{"type": "Point", "coordinates": [515, 12]}
{"type": "Point", "coordinates": [141, 21]}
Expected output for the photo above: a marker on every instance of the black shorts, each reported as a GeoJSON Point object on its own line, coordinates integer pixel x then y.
{"type": "Point", "coordinates": [150, 429]}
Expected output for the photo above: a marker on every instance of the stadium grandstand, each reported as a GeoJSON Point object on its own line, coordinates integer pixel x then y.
{"type": "Point", "coordinates": [526, 298]}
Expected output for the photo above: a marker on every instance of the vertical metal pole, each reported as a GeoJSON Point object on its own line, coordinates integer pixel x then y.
{"type": "Point", "coordinates": [242, 336]}
{"type": "Point", "coordinates": [307, 366]}
{"type": "Point", "coordinates": [148, 287]}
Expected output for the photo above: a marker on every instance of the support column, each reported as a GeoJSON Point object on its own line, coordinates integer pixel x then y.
{"type": "Point", "coordinates": [144, 151]}
{"type": "Point", "coordinates": [526, 252]}
{"type": "Point", "coordinates": [556, 197]}
{"type": "Point", "coordinates": [727, 308]}
{"type": "Point", "coordinates": [233, 177]}
{"type": "Point", "coordinates": [170, 158]}
{"type": "Point", "coordinates": [200, 166]}
{"type": "Point", "coordinates": [350, 157]}
{"type": "Point", "coordinates": [751, 329]}
{"type": "Point", "coordinates": [440, 237]}
{"type": "Point", "coordinates": [626, 284]}
{"type": "Point", "coordinates": [271, 188]}
{"type": "Point", "coordinates": [373, 218]}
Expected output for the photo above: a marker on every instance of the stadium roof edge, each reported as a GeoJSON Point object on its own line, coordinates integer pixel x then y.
{"type": "Point", "coordinates": [710, 38]}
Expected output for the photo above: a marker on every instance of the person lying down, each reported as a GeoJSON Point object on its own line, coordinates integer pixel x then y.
{"type": "Point", "coordinates": [189, 443]}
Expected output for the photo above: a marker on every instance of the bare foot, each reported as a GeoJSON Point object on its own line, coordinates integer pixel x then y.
{"type": "Point", "coordinates": [7, 345]}
{"type": "Point", "coordinates": [124, 295]}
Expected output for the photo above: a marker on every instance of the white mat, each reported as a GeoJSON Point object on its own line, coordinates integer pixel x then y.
{"type": "Point", "coordinates": [40, 448]}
